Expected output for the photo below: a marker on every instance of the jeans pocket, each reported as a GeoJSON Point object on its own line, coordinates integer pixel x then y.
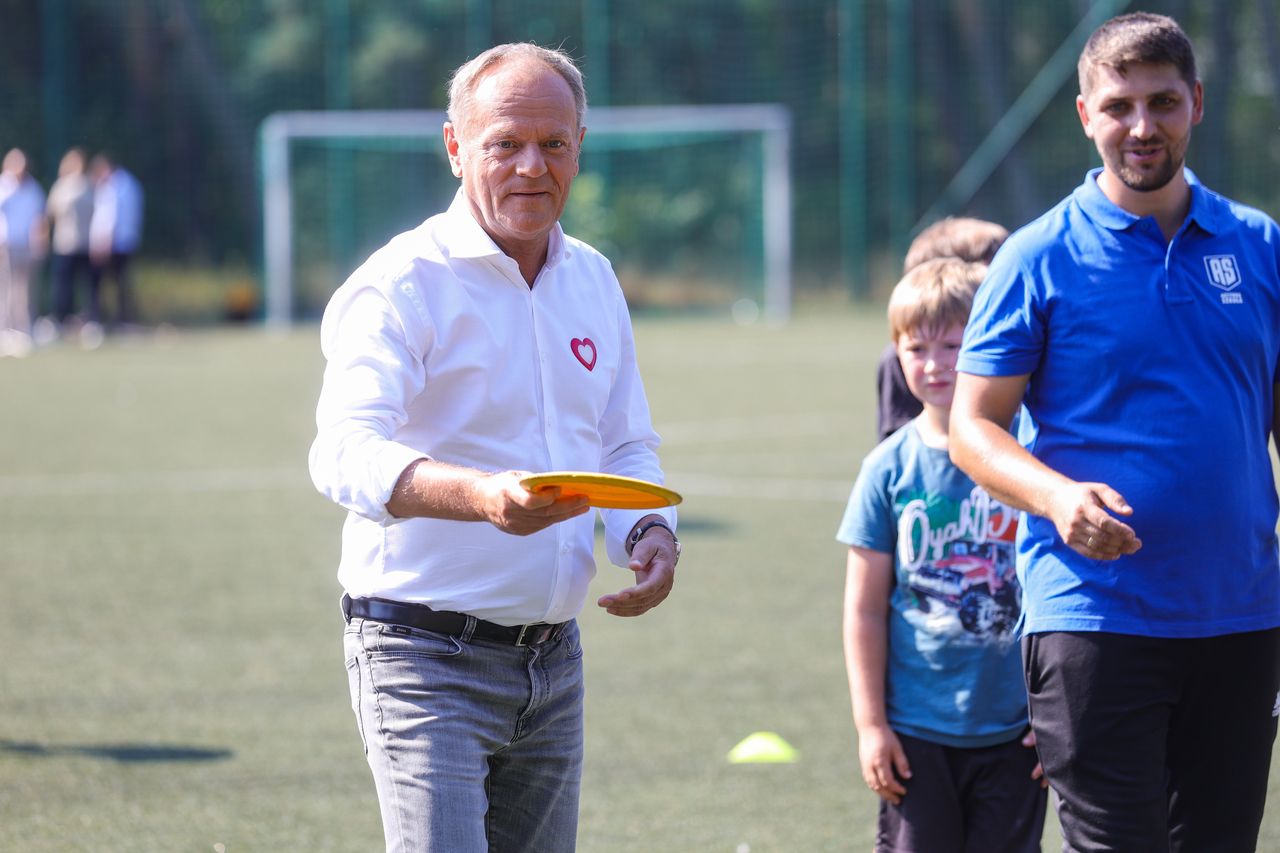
{"type": "Point", "coordinates": [353, 682]}
{"type": "Point", "coordinates": [397, 641]}
{"type": "Point", "coordinates": [572, 640]}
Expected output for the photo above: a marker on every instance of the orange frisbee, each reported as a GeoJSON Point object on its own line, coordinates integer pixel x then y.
{"type": "Point", "coordinates": [605, 490]}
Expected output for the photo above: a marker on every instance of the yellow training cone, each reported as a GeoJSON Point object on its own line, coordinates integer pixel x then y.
{"type": "Point", "coordinates": [763, 748]}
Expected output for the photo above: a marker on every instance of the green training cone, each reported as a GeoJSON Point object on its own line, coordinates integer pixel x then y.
{"type": "Point", "coordinates": [763, 748]}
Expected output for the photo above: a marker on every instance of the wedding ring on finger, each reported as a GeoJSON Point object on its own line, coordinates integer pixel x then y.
{"type": "Point", "coordinates": [1089, 542]}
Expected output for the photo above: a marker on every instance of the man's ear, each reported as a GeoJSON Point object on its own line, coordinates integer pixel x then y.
{"type": "Point", "coordinates": [453, 149]}
{"type": "Point", "coordinates": [1082, 110]}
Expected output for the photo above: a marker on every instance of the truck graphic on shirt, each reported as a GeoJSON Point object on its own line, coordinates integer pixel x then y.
{"type": "Point", "coordinates": [977, 582]}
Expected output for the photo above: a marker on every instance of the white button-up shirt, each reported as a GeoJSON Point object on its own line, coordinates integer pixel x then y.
{"type": "Point", "coordinates": [438, 348]}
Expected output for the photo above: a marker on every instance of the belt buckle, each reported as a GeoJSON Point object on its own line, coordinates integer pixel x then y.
{"type": "Point", "coordinates": [533, 632]}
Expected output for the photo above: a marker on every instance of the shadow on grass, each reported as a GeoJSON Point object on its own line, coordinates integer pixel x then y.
{"type": "Point", "coordinates": [689, 523]}
{"type": "Point", "coordinates": [125, 753]}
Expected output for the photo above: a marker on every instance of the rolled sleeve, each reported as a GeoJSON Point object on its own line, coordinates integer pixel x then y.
{"type": "Point", "coordinates": [372, 373]}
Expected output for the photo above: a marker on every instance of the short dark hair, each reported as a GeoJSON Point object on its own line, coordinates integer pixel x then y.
{"type": "Point", "coordinates": [956, 237]}
{"type": "Point", "coordinates": [1139, 38]}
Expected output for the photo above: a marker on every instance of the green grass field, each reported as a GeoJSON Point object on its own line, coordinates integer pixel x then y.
{"type": "Point", "coordinates": [173, 675]}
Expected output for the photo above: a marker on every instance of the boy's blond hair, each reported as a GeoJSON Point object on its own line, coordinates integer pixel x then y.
{"type": "Point", "coordinates": [933, 296]}
{"type": "Point", "coordinates": [956, 237]}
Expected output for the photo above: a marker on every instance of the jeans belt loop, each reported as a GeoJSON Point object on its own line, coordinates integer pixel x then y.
{"type": "Point", "coordinates": [468, 629]}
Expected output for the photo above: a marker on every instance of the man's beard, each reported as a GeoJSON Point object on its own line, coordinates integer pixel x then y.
{"type": "Point", "coordinates": [1148, 180]}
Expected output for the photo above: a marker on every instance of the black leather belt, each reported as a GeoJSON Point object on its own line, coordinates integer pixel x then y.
{"type": "Point", "coordinates": [446, 622]}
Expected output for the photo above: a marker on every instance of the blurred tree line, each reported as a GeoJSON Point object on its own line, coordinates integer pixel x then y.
{"type": "Point", "coordinates": [176, 89]}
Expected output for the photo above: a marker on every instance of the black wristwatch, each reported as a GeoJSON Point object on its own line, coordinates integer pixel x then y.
{"type": "Point", "coordinates": [644, 528]}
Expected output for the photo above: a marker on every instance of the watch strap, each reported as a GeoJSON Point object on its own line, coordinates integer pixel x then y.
{"type": "Point", "coordinates": [640, 531]}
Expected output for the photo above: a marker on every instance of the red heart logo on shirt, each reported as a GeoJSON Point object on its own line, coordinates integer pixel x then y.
{"type": "Point", "coordinates": [585, 351]}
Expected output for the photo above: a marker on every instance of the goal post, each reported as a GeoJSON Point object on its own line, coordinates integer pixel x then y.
{"type": "Point", "coordinates": [627, 152]}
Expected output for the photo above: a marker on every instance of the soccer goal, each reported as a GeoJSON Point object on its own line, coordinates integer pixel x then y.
{"type": "Point", "coordinates": [692, 204]}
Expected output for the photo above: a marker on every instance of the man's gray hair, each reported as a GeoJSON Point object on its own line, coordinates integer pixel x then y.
{"type": "Point", "coordinates": [465, 79]}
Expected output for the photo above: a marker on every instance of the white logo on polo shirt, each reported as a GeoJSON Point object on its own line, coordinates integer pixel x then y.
{"type": "Point", "coordinates": [1224, 274]}
{"type": "Point", "coordinates": [1223, 271]}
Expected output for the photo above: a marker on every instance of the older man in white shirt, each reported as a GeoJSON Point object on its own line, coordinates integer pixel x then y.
{"type": "Point", "coordinates": [466, 353]}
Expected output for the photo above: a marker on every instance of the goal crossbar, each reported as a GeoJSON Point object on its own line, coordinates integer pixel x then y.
{"type": "Point", "coordinates": [280, 129]}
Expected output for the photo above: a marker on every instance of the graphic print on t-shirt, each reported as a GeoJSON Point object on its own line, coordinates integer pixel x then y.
{"type": "Point", "coordinates": [957, 561]}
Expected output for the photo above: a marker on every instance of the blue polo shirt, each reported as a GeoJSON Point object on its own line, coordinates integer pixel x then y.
{"type": "Point", "coordinates": [1152, 369]}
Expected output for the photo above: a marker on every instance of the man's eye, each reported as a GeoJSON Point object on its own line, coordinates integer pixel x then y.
{"type": "Point", "coordinates": [506, 144]}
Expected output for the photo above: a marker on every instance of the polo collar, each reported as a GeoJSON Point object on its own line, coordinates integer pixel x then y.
{"type": "Point", "coordinates": [466, 239]}
{"type": "Point", "coordinates": [1205, 211]}
{"type": "Point", "coordinates": [1108, 214]}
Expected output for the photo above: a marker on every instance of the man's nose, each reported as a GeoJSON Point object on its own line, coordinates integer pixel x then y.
{"type": "Point", "coordinates": [530, 161]}
{"type": "Point", "coordinates": [1143, 125]}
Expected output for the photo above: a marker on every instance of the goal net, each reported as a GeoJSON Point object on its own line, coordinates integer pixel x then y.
{"type": "Point", "coordinates": [691, 204]}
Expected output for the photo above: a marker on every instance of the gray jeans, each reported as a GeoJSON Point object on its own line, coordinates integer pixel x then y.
{"type": "Point", "coordinates": [474, 745]}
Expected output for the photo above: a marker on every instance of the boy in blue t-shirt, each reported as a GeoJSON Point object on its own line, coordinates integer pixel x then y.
{"type": "Point", "coordinates": [931, 611]}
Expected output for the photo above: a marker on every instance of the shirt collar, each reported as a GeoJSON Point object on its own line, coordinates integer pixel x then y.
{"type": "Point", "coordinates": [466, 239]}
{"type": "Point", "coordinates": [1205, 213]}
{"type": "Point", "coordinates": [1108, 214]}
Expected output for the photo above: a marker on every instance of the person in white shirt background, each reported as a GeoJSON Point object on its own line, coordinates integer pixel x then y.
{"type": "Point", "coordinates": [481, 346]}
{"type": "Point", "coordinates": [70, 211]}
{"type": "Point", "coordinates": [23, 240]}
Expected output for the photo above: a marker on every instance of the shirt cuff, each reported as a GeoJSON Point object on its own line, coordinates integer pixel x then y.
{"type": "Point", "coordinates": [618, 524]}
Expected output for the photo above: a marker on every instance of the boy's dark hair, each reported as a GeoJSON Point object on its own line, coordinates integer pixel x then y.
{"type": "Point", "coordinates": [1139, 38]}
{"type": "Point", "coordinates": [974, 240]}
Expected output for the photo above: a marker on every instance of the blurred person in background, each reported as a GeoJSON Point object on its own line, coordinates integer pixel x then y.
{"type": "Point", "coordinates": [484, 344]}
{"type": "Point", "coordinates": [115, 232]}
{"type": "Point", "coordinates": [70, 210]}
{"type": "Point", "coordinates": [972, 240]}
{"type": "Point", "coordinates": [23, 239]}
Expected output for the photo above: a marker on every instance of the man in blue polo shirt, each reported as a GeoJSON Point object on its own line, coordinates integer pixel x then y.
{"type": "Point", "coordinates": [1139, 321]}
